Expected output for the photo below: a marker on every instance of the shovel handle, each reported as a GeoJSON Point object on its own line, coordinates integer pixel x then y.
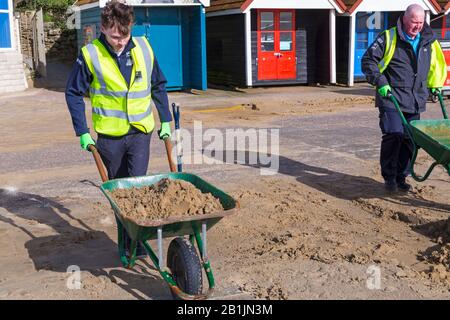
{"type": "Point", "coordinates": [98, 162]}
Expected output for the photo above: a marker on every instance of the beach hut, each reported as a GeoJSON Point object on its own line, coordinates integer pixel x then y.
{"type": "Point", "coordinates": [175, 29]}
{"type": "Point", "coordinates": [266, 42]}
{"type": "Point", "coordinates": [364, 21]}
{"type": "Point", "coordinates": [12, 76]}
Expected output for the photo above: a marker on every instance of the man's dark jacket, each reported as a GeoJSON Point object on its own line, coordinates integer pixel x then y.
{"type": "Point", "coordinates": [406, 73]}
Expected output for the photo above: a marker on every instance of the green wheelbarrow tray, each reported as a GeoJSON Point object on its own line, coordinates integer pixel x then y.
{"type": "Point", "coordinates": [433, 136]}
{"type": "Point", "coordinates": [194, 226]}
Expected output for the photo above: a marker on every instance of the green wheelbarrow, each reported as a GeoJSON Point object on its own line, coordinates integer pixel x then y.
{"type": "Point", "coordinates": [433, 136]}
{"type": "Point", "coordinates": [183, 271]}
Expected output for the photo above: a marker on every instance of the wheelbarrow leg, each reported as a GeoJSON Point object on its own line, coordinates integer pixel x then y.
{"type": "Point", "coordinates": [127, 262]}
{"type": "Point", "coordinates": [162, 263]}
{"type": "Point", "coordinates": [201, 244]}
{"type": "Point", "coordinates": [413, 173]}
{"type": "Point", "coordinates": [121, 244]}
{"type": "Point", "coordinates": [132, 260]}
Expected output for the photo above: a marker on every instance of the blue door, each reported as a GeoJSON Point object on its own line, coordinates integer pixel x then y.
{"type": "Point", "coordinates": [162, 26]}
{"type": "Point", "coordinates": [368, 26]}
{"type": "Point", "coordinates": [5, 27]}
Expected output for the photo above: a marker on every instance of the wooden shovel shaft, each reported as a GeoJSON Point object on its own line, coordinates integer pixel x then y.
{"type": "Point", "coordinates": [98, 162]}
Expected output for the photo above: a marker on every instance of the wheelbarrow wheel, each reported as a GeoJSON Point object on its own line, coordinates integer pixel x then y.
{"type": "Point", "coordinates": [184, 263]}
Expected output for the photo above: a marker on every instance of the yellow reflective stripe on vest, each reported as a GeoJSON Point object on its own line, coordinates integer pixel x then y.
{"type": "Point", "coordinates": [389, 50]}
{"type": "Point", "coordinates": [438, 67]}
{"type": "Point", "coordinates": [99, 73]}
{"type": "Point", "coordinates": [122, 115]}
{"type": "Point", "coordinates": [149, 58]}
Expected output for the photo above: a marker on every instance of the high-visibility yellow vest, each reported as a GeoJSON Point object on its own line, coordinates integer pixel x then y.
{"type": "Point", "coordinates": [115, 106]}
{"type": "Point", "coordinates": [438, 68]}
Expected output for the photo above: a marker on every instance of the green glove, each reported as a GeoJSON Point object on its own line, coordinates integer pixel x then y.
{"type": "Point", "coordinates": [384, 90]}
{"type": "Point", "coordinates": [165, 130]}
{"type": "Point", "coordinates": [435, 91]}
{"type": "Point", "coordinates": [86, 140]}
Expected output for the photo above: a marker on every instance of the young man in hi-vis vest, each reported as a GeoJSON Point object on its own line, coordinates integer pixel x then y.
{"type": "Point", "coordinates": [122, 76]}
{"type": "Point", "coordinates": [407, 61]}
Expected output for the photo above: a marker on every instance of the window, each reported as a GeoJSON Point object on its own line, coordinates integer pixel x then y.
{"type": "Point", "coordinates": [267, 41]}
{"type": "Point", "coordinates": [286, 21]}
{"type": "Point", "coordinates": [445, 35]}
{"type": "Point", "coordinates": [5, 26]}
{"type": "Point", "coordinates": [362, 40]}
{"type": "Point", "coordinates": [267, 21]}
{"type": "Point", "coordinates": [285, 41]}
{"type": "Point", "coordinates": [3, 4]}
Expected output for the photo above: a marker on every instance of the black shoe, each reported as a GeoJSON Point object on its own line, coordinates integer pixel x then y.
{"type": "Point", "coordinates": [403, 186]}
{"type": "Point", "coordinates": [390, 186]}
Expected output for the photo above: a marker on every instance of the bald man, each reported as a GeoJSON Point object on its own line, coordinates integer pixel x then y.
{"type": "Point", "coordinates": [407, 61]}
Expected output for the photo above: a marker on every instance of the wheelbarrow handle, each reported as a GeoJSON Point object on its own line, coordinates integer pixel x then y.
{"type": "Point", "coordinates": [441, 101]}
{"type": "Point", "coordinates": [168, 145]}
{"type": "Point", "coordinates": [98, 162]}
{"type": "Point", "coordinates": [397, 107]}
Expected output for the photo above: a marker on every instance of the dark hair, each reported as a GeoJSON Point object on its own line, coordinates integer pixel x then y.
{"type": "Point", "coordinates": [118, 14]}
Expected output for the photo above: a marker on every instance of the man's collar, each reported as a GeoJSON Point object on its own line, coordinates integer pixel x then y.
{"type": "Point", "coordinates": [130, 45]}
{"type": "Point", "coordinates": [417, 37]}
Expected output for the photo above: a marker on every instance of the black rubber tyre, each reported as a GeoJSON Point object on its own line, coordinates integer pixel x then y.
{"type": "Point", "coordinates": [183, 261]}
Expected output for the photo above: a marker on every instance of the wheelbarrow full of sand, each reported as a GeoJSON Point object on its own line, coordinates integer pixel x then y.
{"type": "Point", "coordinates": [433, 136]}
{"type": "Point", "coordinates": [183, 270]}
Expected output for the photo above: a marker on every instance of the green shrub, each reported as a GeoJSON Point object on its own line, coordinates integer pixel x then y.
{"type": "Point", "coordinates": [54, 10]}
{"type": "Point", "coordinates": [46, 5]}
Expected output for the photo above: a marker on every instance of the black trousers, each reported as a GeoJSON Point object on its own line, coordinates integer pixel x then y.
{"type": "Point", "coordinates": [396, 145]}
{"type": "Point", "coordinates": [124, 157]}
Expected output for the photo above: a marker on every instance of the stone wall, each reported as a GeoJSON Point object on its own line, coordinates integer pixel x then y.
{"type": "Point", "coordinates": [60, 45]}
{"type": "Point", "coordinates": [26, 34]}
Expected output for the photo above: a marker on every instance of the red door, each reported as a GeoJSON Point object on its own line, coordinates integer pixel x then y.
{"type": "Point", "coordinates": [276, 45]}
{"type": "Point", "coordinates": [445, 30]}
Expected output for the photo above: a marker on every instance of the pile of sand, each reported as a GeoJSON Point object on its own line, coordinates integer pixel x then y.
{"type": "Point", "coordinates": [167, 198]}
{"type": "Point", "coordinates": [439, 258]}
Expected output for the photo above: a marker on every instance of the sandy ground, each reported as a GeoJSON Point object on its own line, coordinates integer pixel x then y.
{"type": "Point", "coordinates": [321, 228]}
